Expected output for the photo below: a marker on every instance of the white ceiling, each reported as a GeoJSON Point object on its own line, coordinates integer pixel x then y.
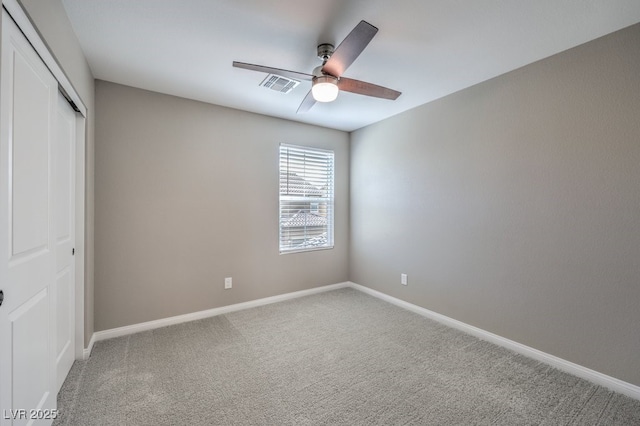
{"type": "Point", "coordinates": [424, 48]}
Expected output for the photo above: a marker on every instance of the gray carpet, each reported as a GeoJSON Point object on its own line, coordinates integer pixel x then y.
{"type": "Point", "coordinates": [336, 358]}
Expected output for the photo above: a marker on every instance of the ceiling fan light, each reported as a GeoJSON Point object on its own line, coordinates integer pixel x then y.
{"type": "Point", "coordinates": [325, 88]}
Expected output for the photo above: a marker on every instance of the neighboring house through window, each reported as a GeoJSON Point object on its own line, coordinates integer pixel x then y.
{"type": "Point", "coordinates": [306, 198]}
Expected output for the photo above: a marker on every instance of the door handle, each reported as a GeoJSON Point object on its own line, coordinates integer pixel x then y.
{"type": "Point", "coordinates": [1, 297]}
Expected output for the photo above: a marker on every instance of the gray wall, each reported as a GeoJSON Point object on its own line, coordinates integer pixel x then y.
{"type": "Point", "coordinates": [50, 18]}
{"type": "Point", "coordinates": [187, 194]}
{"type": "Point", "coordinates": [514, 205]}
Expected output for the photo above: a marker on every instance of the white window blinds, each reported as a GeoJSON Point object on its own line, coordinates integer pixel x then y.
{"type": "Point", "coordinates": [306, 198]}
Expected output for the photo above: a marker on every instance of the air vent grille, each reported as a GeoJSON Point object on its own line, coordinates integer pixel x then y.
{"type": "Point", "coordinates": [279, 83]}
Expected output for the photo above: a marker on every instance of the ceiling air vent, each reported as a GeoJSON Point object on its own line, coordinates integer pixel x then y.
{"type": "Point", "coordinates": [279, 83]}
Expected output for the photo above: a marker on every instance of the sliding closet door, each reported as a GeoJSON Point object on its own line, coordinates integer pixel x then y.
{"type": "Point", "coordinates": [27, 231]}
{"type": "Point", "coordinates": [64, 200]}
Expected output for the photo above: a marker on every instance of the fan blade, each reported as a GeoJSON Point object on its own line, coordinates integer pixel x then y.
{"type": "Point", "coordinates": [367, 89]}
{"type": "Point", "coordinates": [350, 48]}
{"type": "Point", "coordinates": [270, 70]}
{"type": "Point", "coordinates": [307, 103]}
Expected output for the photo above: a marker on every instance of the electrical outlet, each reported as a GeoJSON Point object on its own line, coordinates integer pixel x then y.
{"type": "Point", "coordinates": [228, 283]}
{"type": "Point", "coordinates": [403, 279]}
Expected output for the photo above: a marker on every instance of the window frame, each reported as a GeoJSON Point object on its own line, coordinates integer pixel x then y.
{"type": "Point", "coordinates": [325, 181]}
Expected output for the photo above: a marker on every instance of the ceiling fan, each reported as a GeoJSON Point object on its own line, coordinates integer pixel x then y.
{"type": "Point", "coordinates": [327, 79]}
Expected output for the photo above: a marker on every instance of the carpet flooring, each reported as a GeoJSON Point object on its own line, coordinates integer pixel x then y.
{"type": "Point", "coordinates": [335, 358]}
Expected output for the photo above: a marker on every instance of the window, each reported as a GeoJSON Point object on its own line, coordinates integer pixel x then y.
{"type": "Point", "coordinates": [306, 198]}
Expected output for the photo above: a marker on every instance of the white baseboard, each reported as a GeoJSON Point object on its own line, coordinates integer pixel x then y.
{"type": "Point", "coordinates": [593, 376]}
{"type": "Point", "coordinates": [87, 351]}
{"type": "Point", "coordinates": [150, 325]}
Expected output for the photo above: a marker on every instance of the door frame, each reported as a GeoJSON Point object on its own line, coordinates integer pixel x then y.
{"type": "Point", "coordinates": [15, 10]}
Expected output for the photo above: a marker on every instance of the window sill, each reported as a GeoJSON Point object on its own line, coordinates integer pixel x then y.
{"type": "Point", "coordinates": [305, 250]}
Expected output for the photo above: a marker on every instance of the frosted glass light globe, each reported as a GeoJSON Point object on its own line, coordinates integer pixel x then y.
{"type": "Point", "coordinates": [325, 88]}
